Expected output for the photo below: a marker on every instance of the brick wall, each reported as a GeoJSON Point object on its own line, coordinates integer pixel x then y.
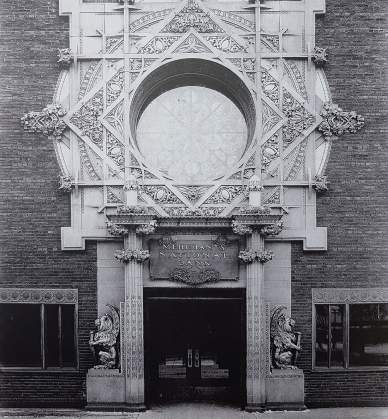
{"type": "Point", "coordinates": [355, 207]}
{"type": "Point", "coordinates": [32, 208]}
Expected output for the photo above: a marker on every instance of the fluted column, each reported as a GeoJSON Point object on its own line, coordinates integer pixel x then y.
{"type": "Point", "coordinates": [255, 305]}
{"type": "Point", "coordinates": [134, 328]}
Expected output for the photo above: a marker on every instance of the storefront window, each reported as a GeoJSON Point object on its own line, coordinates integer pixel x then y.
{"type": "Point", "coordinates": [351, 335]}
{"type": "Point", "coordinates": [37, 335]}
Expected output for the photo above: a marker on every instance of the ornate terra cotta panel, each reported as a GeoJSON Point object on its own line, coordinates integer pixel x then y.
{"type": "Point", "coordinates": [192, 98]}
{"type": "Point", "coordinates": [194, 259]}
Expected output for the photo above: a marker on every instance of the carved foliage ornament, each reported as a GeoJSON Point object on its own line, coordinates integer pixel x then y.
{"type": "Point", "coordinates": [147, 228]}
{"type": "Point", "coordinates": [189, 277]}
{"type": "Point", "coordinates": [255, 210]}
{"type": "Point", "coordinates": [321, 184]}
{"type": "Point", "coordinates": [241, 229]}
{"type": "Point", "coordinates": [131, 210]}
{"type": "Point", "coordinates": [65, 57]}
{"type": "Point", "coordinates": [127, 255]}
{"type": "Point", "coordinates": [48, 122]}
{"type": "Point", "coordinates": [192, 16]}
{"type": "Point", "coordinates": [319, 56]}
{"type": "Point", "coordinates": [272, 229]}
{"type": "Point", "coordinates": [65, 183]}
{"type": "Point", "coordinates": [103, 342]}
{"type": "Point", "coordinates": [115, 229]}
{"type": "Point", "coordinates": [250, 256]}
{"type": "Point", "coordinates": [254, 184]}
{"type": "Point", "coordinates": [337, 122]}
{"type": "Point", "coordinates": [285, 344]}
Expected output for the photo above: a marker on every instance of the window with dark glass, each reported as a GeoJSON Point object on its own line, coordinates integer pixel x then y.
{"type": "Point", "coordinates": [37, 335]}
{"type": "Point", "coordinates": [351, 335]}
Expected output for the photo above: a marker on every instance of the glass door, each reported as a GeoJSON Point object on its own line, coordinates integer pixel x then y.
{"type": "Point", "coordinates": [194, 349]}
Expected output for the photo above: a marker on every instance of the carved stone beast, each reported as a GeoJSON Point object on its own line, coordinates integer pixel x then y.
{"type": "Point", "coordinates": [285, 344]}
{"type": "Point", "coordinates": [104, 341]}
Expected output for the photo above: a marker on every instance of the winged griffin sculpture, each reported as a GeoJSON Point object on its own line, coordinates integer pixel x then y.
{"type": "Point", "coordinates": [285, 343]}
{"type": "Point", "coordinates": [104, 341]}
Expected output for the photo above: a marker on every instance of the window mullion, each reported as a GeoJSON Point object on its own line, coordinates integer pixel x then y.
{"type": "Point", "coordinates": [60, 335]}
{"type": "Point", "coordinates": [329, 340]}
{"type": "Point", "coordinates": [346, 337]}
{"type": "Point", "coordinates": [42, 335]}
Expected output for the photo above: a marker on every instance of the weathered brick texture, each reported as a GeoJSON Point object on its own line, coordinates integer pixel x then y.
{"type": "Point", "coordinates": [32, 208]}
{"type": "Point", "coordinates": [355, 207]}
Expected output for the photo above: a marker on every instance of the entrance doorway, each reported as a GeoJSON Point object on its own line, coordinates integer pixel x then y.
{"type": "Point", "coordinates": [194, 347]}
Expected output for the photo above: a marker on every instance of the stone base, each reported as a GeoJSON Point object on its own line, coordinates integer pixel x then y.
{"type": "Point", "coordinates": [115, 407]}
{"type": "Point", "coordinates": [254, 408]}
{"type": "Point", "coordinates": [285, 390]}
{"type": "Point", "coordinates": [104, 386]}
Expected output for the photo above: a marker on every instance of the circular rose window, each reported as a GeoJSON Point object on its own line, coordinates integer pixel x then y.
{"type": "Point", "coordinates": [192, 133]}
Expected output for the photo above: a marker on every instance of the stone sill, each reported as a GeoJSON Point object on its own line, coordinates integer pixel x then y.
{"type": "Point", "coordinates": [40, 370]}
{"type": "Point", "coordinates": [350, 369]}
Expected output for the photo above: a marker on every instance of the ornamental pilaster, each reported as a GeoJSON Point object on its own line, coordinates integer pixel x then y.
{"type": "Point", "coordinates": [133, 320]}
{"type": "Point", "coordinates": [256, 339]}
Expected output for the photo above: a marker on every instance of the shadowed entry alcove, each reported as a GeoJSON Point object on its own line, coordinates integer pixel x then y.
{"type": "Point", "coordinates": [194, 345]}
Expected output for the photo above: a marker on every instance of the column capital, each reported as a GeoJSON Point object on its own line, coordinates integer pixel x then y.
{"type": "Point", "coordinates": [259, 219]}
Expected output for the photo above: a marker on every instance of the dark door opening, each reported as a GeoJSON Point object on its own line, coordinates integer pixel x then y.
{"type": "Point", "coordinates": [194, 348]}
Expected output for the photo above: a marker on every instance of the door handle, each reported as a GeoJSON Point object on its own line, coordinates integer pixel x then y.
{"type": "Point", "coordinates": [196, 358]}
{"type": "Point", "coordinates": [189, 358]}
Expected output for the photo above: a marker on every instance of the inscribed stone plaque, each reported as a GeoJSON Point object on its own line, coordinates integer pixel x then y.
{"type": "Point", "coordinates": [194, 260]}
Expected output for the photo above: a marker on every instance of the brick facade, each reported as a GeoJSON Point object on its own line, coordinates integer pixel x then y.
{"type": "Point", "coordinates": [33, 210]}
{"type": "Point", "coordinates": [355, 207]}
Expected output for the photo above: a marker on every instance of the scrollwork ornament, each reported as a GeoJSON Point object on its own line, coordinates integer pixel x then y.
{"type": "Point", "coordinates": [272, 229]}
{"type": "Point", "coordinates": [241, 229]}
{"type": "Point", "coordinates": [319, 56]}
{"type": "Point", "coordinates": [128, 255]}
{"type": "Point", "coordinates": [65, 57]}
{"type": "Point", "coordinates": [250, 256]}
{"type": "Point", "coordinates": [65, 183]}
{"type": "Point", "coordinates": [321, 184]}
{"type": "Point", "coordinates": [115, 229]}
{"type": "Point", "coordinates": [48, 122]}
{"type": "Point", "coordinates": [337, 122]}
{"type": "Point", "coordinates": [147, 228]}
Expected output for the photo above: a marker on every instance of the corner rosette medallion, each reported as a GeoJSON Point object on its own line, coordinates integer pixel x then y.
{"type": "Point", "coordinates": [65, 183]}
{"type": "Point", "coordinates": [319, 56]}
{"type": "Point", "coordinates": [321, 184]}
{"type": "Point", "coordinates": [48, 122]}
{"type": "Point", "coordinates": [337, 122]}
{"type": "Point", "coordinates": [65, 57]}
{"type": "Point", "coordinates": [128, 255]}
{"type": "Point", "coordinates": [250, 256]}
